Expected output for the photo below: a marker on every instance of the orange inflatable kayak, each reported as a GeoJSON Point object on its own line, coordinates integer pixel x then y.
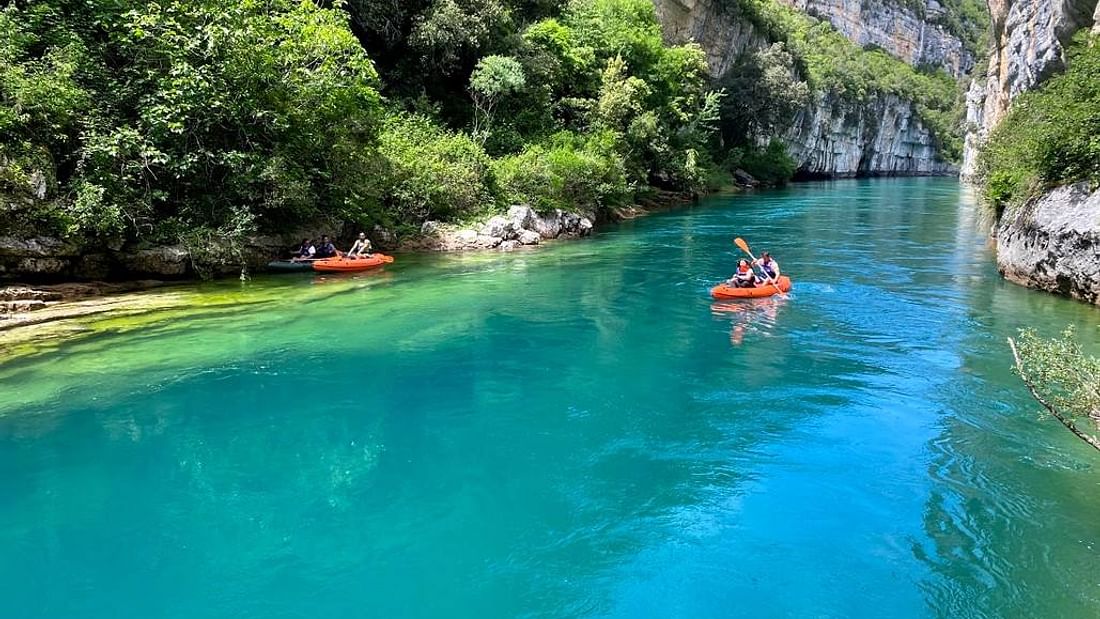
{"type": "Point", "coordinates": [350, 265]}
{"type": "Point", "coordinates": [724, 291]}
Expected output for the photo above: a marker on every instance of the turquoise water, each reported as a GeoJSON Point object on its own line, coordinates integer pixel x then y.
{"type": "Point", "coordinates": [577, 431]}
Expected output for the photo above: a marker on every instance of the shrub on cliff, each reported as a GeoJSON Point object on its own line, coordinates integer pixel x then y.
{"type": "Point", "coordinates": [771, 164]}
{"type": "Point", "coordinates": [1051, 135]}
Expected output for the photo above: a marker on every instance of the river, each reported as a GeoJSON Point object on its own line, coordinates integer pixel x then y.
{"type": "Point", "coordinates": [576, 431]}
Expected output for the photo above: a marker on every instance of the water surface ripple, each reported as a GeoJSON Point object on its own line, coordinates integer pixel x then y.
{"type": "Point", "coordinates": [577, 431]}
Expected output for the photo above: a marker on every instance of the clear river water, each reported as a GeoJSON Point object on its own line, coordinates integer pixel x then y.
{"type": "Point", "coordinates": [575, 431]}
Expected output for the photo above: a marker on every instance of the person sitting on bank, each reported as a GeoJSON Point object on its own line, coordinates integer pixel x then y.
{"type": "Point", "coordinates": [305, 251]}
{"type": "Point", "coordinates": [361, 248]}
{"type": "Point", "coordinates": [745, 277]}
{"type": "Point", "coordinates": [326, 249]}
{"type": "Point", "coordinates": [768, 267]}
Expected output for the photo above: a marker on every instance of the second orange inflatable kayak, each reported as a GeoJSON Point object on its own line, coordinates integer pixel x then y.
{"type": "Point", "coordinates": [723, 291]}
{"type": "Point", "coordinates": [348, 265]}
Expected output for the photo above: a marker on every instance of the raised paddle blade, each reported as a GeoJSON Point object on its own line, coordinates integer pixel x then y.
{"type": "Point", "coordinates": [740, 242]}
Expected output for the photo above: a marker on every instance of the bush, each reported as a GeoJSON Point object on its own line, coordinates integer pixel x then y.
{"type": "Point", "coordinates": [770, 165]}
{"type": "Point", "coordinates": [1049, 136]}
{"type": "Point", "coordinates": [566, 173]}
{"type": "Point", "coordinates": [432, 173]}
{"type": "Point", "coordinates": [192, 110]}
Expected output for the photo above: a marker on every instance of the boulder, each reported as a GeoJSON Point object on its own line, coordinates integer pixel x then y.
{"type": "Point", "coordinates": [382, 237]}
{"type": "Point", "coordinates": [549, 226]}
{"type": "Point", "coordinates": [485, 241]}
{"type": "Point", "coordinates": [499, 227]}
{"type": "Point", "coordinates": [1053, 242]}
{"type": "Point", "coordinates": [466, 237]}
{"type": "Point", "coordinates": [744, 179]}
{"type": "Point", "coordinates": [529, 237]}
{"type": "Point", "coordinates": [523, 217]}
{"type": "Point", "coordinates": [509, 245]}
{"type": "Point", "coordinates": [430, 228]}
{"type": "Point", "coordinates": [38, 247]}
{"type": "Point", "coordinates": [585, 226]}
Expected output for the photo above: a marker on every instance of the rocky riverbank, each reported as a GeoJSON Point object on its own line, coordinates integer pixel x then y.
{"type": "Point", "coordinates": [520, 226]}
{"type": "Point", "coordinates": [1053, 243]}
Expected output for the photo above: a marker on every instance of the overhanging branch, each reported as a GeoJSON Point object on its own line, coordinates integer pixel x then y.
{"type": "Point", "coordinates": [1066, 421]}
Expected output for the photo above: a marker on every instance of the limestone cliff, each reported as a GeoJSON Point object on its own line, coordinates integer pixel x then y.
{"type": "Point", "coordinates": [718, 26]}
{"type": "Point", "coordinates": [832, 137]}
{"type": "Point", "coordinates": [1028, 45]}
{"type": "Point", "coordinates": [883, 136]}
{"type": "Point", "coordinates": [896, 28]}
{"type": "Point", "coordinates": [1053, 243]}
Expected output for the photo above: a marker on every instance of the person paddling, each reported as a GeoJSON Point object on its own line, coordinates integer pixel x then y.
{"type": "Point", "coordinates": [745, 277]}
{"type": "Point", "coordinates": [361, 248]}
{"type": "Point", "coordinates": [326, 249]}
{"type": "Point", "coordinates": [305, 251]}
{"type": "Point", "coordinates": [768, 266]}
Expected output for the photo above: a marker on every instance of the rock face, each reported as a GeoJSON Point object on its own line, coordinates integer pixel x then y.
{"type": "Point", "coordinates": [1053, 243]}
{"type": "Point", "coordinates": [1028, 45]}
{"type": "Point", "coordinates": [835, 138]}
{"type": "Point", "coordinates": [717, 26]}
{"type": "Point", "coordinates": [831, 138]}
{"type": "Point", "coordinates": [896, 28]}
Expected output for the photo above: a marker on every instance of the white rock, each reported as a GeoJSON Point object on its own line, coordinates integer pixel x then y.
{"type": "Point", "coordinates": [549, 226]}
{"type": "Point", "coordinates": [499, 227]}
{"type": "Point", "coordinates": [523, 217]}
{"type": "Point", "coordinates": [1053, 243]}
{"type": "Point", "coordinates": [529, 237]}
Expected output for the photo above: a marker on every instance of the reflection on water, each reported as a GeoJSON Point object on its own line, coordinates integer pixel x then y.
{"type": "Point", "coordinates": [576, 431]}
{"type": "Point", "coordinates": [749, 315]}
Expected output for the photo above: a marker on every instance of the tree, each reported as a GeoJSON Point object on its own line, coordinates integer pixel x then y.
{"type": "Point", "coordinates": [768, 94]}
{"type": "Point", "coordinates": [494, 78]}
{"type": "Point", "coordinates": [1062, 378]}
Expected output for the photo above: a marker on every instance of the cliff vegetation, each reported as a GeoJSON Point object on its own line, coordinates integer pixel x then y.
{"type": "Point", "coordinates": [1050, 135]}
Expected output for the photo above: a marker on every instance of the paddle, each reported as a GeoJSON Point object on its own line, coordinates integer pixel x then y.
{"type": "Point", "coordinates": [740, 242]}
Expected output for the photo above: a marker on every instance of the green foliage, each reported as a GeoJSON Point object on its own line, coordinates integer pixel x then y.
{"type": "Point", "coordinates": [494, 78]}
{"type": "Point", "coordinates": [432, 173]}
{"type": "Point", "coordinates": [567, 172]}
{"type": "Point", "coordinates": [1050, 136]}
{"type": "Point", "coordinates": [1062, 373]}
{"type": "Point", "coordinates": [766, 95]}
{"type": "Point", "coordinates": [771, 165]}
{"type": "Point", "coordinates": [603, 66]}
{"type": "Point", "coordinates": [195, 111]}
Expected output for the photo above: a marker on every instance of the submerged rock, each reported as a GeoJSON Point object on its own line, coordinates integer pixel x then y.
{"type": "Point", "coordinates": [1053, 243]}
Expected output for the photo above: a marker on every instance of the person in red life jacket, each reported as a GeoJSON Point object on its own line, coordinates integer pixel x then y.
{"type": "Point", "coordinates": [745, 277]}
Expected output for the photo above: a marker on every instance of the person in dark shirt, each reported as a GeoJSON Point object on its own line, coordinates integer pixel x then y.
{"type": "Point", "coordinates": [305, 251]}
{"type": "Point", "coordinates": [325, 249]}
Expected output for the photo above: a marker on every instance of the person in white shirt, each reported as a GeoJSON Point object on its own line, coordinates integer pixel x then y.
{"type": "Point", "coordinates": [361, 248]}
